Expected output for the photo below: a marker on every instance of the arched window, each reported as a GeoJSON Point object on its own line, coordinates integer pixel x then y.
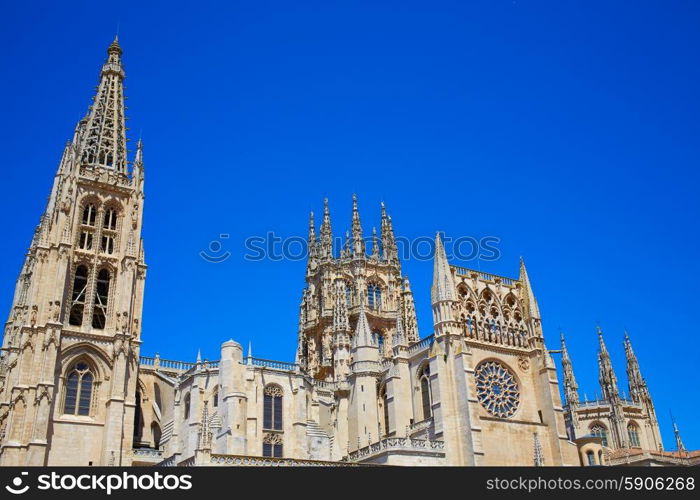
{"type": "Point", "coordinates": [155, 431]}
{"type": "Point", "coordinates": [384, 403]}
{"type": "Point", "coordinates": [216, 398]}
{"type": "Point", "coordinates": [89, 214]}
{"type": "Point", "coordinates": [78, 395]}
{"type": "Point", "coordinates": [348, 296]}
{"type": "Point", "coordinates": [99, 313]}
{"type": "Point", "coordinates": [138, 420]}
{"type": "Point", "coordinates": [601, 432]}
{"type": "Point", "coordinates": [78, 300]}
{"type": "Point", "coordinates": [156, 396]}
{"type": "Point", "coordinates": [110, 219]}
{"type": "Point", "coordinates": [590, 456]}
{"type": "Point", "coordinates": [187, 406]}
{"type": "Point", "coordinates": [272, 421]}
{"type": "Point", "coordinates": [272, 444]}
{"type": "Point", "coordinates": [374, 296]}
{"type": "Point", "coordinates": [378, 339]}
{"type": "Point", "coordinates": [272, 408]}
{"type": "Point", "coordinates": [426, 396]}
{"type": "Point", "coordinates": [633, 433]}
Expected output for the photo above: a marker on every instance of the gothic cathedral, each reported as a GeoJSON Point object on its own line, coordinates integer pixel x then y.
{"type": "Point", "coordinates": [364, 387]}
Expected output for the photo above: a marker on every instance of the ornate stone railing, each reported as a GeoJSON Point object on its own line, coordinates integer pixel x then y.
{"type": "Point", "coordinates": [592, 403]}
{"type": "Point", "coordinates": [275, 365]}
{"type": "Point", "coordinates": [157, 362]}
{"type": "Point", "coordinates": [422, 344]}
{"type": "Point", "coordinates": [147, 452]}
{"type": "Point", "coordinates": [245, 461]}
{"type": "Point", "coordinates": [463, 271]}
{"type": "Point", "coordinates": [322, 384]}
{"type": "Point", "coordinates": [397, 444]}
{"type": "Point", "coordinates": [168, 462]}
{"type": "Point", "coordinates": [423, 425]}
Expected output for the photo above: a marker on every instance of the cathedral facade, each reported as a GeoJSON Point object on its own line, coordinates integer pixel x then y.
{"type": "Point", "coordinates": [364, 387]}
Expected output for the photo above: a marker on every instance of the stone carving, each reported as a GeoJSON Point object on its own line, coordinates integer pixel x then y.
{"type": "Point", "coordinates": [33, 317]}
{"type": "Point", "coordinates": [524, 363]}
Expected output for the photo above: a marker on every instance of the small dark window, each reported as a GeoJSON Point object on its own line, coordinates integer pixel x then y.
{"type": "Point", "coordinates": [89, 214]}
{"type": "Point", "coordinates": [187, 406]}
{"type": "Point", "coordinates": [85, 240]}
{"type": "Point", "coordinates": [110, 219]}
{"type": "Point", "coordinates": [426, 396]}
{"type": "Point", "coordinates": [107, 244]}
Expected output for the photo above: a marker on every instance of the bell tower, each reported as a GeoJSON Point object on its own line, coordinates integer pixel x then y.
{"type": "Point", "coordinates": [71, 343]}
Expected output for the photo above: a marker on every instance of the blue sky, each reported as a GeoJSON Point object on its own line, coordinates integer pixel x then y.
{"type": "Point", "coordinates": [568, 130]}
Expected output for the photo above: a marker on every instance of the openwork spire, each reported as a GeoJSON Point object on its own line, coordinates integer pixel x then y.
{"type": "Point", "coordinates": [326, 245]}
{"type": "Point", "coordinates": [637, 385]}
{"type": "Point", "coordinates": [311, 242]}
{"type": "Point", "coordinates": [443, 283]}
{"type": "Point", "coordinates": [570, 386]}
{"type": "Point", "coordinates": [608, 380]}
{"type": "Point", "coordinates": [390, 252]}
{"type": "Point", "coordinates": [358, 241]}
{"type": "Point", "coordinates": [375, 244]}
{"type": "Point", "coordinates": [103, 143]}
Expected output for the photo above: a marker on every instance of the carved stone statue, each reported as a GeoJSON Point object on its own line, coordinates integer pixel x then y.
{"type": "Point", "coordinates": [33, 317]}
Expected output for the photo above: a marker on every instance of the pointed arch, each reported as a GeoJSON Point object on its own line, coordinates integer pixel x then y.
{"type": "Point", "coordinates": [426, 395]}
{"type": "Point", "coordinates": [600, 430]}
{"type": "Point", "coordinates": [79, 387]}
{"type": "Point", "coordinates": [633, 434]}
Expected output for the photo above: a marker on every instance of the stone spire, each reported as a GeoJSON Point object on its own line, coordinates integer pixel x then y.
{"type": "Point", "coordinates": [532, 309]}
{"type": "Point", "coordinates": [375, 244]}
{"type": "Point", "coordinates": [358, 241]}
{"type": "Point", "coordinates": [138, 169]}
{"type": "Point", "coordinates": [311, 244]}
{"type": "Point", "coordinates": [390, 252]}
{"type": "Point", "coordinates": [363, 333]}
{"type": "Point", "coordinates": [399, 339]}
{"type": "Point", "coordinates": [326, 244]}
{"type": "Point", "coordinates": [637, 385]}
{"type": "Point", "coordinates": [409, 312]}
{"type": "Point", "coordinates": [680, 447]}
{"type": "Point", "coordinates": [570, 386]}
{"type": "Point", "coordinates": [608, 380]}
{"type": "Point", "coordinates": [103, 141]}
{"type": "Point", "coordinates": [205, 433]}
{"type": "Point", "coordinates": [443, 283]}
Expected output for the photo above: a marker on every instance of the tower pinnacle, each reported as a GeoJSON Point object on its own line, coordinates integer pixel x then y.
{"type": "Point", "coordinates": [103, 143]}
{"type": "Point", "coordinates": [443, 282]}
{"type": "Point", "coordinates": [570, 386]}
{"type": "Point", "coordinates": [358, 242]}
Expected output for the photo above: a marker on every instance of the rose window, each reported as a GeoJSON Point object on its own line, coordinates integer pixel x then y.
{"type": "Point", "coordinates": [497, 389]}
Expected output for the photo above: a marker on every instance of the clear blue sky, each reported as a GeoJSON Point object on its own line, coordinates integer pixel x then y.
{"type": "Point", "coordinates": [569, 130]}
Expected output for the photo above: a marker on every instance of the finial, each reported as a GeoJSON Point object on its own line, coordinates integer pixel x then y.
{"type": "Point", "coordinates": [199, 355]}
{"type": "Point", "coordinates": [114, 47]}
{"type": "Point", "coordinates": [250, 349]}
{"type": "Point", "coordinates": [325, 206]}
